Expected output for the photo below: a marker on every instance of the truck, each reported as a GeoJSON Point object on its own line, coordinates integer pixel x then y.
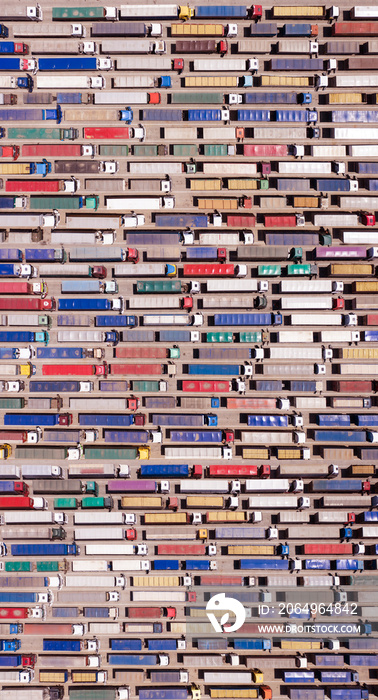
{"type": "Point", "coordinates": [59, 134]}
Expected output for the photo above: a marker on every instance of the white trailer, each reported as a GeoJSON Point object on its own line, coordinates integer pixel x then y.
{"type": "Point", "coordinates": [142, 168]}
{"type": "Point", "coordinates": [365, 12]}
{"type": "Point", "coordinates": [105, 581]}
{"type": "Point", "coordinates": [358, 369]}
{"type": "Point", "coordinates": [99, 533]}
{"type": "Point", "coordinates": [222, 302]}
{"type": "Point", "coordinates": [81, 337]}
{"type": "Point", "coordinates": [29, 220]}
{"type": "Point", "coordinates": [219, 239]}
{"type": "Point", "coordinates": [189, 452]}
{"type": "Point", "coordinates": [113, 548]}
{"type": "Point", "coordinates": [267, 437]}
{"type": "Point", "coordinates": [54, 270]}
{"type": "Point", "coordinates": [273, 203]}
{"type": "Point", "coordinates": [304, 168]}
{"type": "Point", "coordinates": [288, 303]}
{"type": "Point", "coordinates": [130, 565]}
{"type": "Point", "coordinates": [108, 628]}
{"type": "Point", "coordinates": [140, 270]}
{"type": "Point", "coordinates": [273, 502]}
{"type": "Point", "coordinates": [357, 151]}
{"type": "Point", "coordinates": [287, 371]}
{"type": "Point", "coordinates": [359, 202]}
{"type": "Point", "coordinates": [234, 285]}
{"type": "Point", "coordinates": [42, 517]}
{"type": "Point", "coordinates": [187, 133]}
{"type": "Point", "coordinates": [118, 98]}
{"type": "Point", "coordinates": [328, 151]}
{"type": "Point", "coordinates": [263, 485]}
{"type": "Point", "coordinates": [148, 11]}
{"type": "Point", "coordinates": [316, 320]}
{"type": "Point", "coordinates": [310, 403]}
{"type": "Point", "coordinates": [73, 238]}
{"type": "Point", "coordinates": [68, 82]}
{"type": "Point", "coordinates": [287, 134]}
{"type": "Point", "coordinates": [168, 301]}
{"type": "Point", "coordinates": [89, 566]}
{"type": "Point", "coordinates": [50, 29]}
{"type": "Point", "coordinates": [302, 46]}
{"type": "Point", "coordinates": [337, 220]}
{"type": "Point", "coordinates": [202, 486]}
{"type": "Point", "coordinates": [217, 133]}
{"type": "Point", "coordinates": [253, 45]}
{"type": "Point", "coordinates": [133, 81]}
{"type": "Point", "coordinates": [309, 286]}
{"type": "Point", "coordinates": [369, 532]}
{"type": "Point", "coordinates": [360, 237]}
{"type": "Point", "coordinates": [295, 336]}
{"type": "Point", "coordinates": [224, 169]}
{"type": "Point", "coordinates": [107, 404]}
{"type": "Point", "coordinates": [355, 134]}
{"type": "Point", "coordinates": [166, 597]}
{"type": "Point", "coordinates": [99, 518]}
{"type": "Point", "coordinates": [206, 65]}
{"type": "Point", "coordinates": [150, 63]}
{"type": "Point", "coordinates": [172, 320]}
{"type": "Point", "coordinates": [339, 336]}
{"type": "Point", "coordinates": [356, 80]}
{"type": "Point", "coordinates": [313, 353]}
{"type": "Point", "coordinates": [20, 320]}
{"type": "Point", "coordinates": [96, 223]}
{"type": "Point", "coordinates": [132, 46]}
{"type": "Point", "coordinates": [139, 203]}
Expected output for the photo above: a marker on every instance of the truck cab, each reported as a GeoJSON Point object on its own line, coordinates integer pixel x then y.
{"type": "Point", "coordinates": [126, 115]}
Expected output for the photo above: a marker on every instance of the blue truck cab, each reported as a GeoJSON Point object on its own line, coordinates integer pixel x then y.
{"type": "Point", "coordinates": [4, 30]}
{"type": "Point", "coordinates": [42, 168]}
{"type": "Point", "coordinates": [165, 81]}
{"type": "Point", "coordinates": [10, 644]}
{"type": "Point", "coordinates": [126, 115]}
{"type": "Point", "coordinates": [305, 98]}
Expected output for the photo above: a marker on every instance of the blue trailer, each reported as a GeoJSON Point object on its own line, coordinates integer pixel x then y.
{"type": "Point", "coordinates": [61, 353]}
{"type": "Point", "coordinates": [196, 435]}
{"type": "Point", "coordinates": [201, 253]}
{"type": "Point", "coordinates": [338, 677]}
{"type": "Point", "coordinates": [175, 336]}
{"type": "Point", "coordinates": [297, 29]}
{"type": "Point", "coordinates": [276, 564]}
{"type": "Point", "coordinates": [256, 98]}
{"type": "Point", "coordinates": [45, 255]}
{"type": "Point", "coordinates": [174, 471]}
{"type": "Point", "coordinates": [332, 185]}
{"type": "Point", "coordinates": [105, 419]}
{"type": "Point", "coordinates": [96, 612]}
{"type": "Point", "coordinates": [33, 419]}
{"type": "Point", "coordinates": [116, 321]}
{"type": "Point", "coordinates": [291, 115]}
{"type": "Point", "coordinates": [336, 485]}
{"type": "Point", "coordinates": [367, 168]}
{"type": "Point", "coordinates": [368, 419]}
{"type": "Point", "coordinates": [261, 421]}
{"type": "Point", "coordinates": [340, 436]}
{"type": "Point", "coordinates": [348, 693]}
{"type": "Point", "coordinates": [349, 565]}
{"type": "Point", "coordinates": [322, 564]}
{"type": "Point", "coordinates": [223, 370]}
{"type": "Point", "coordinates": [11, 254]}
{"type": "Point", "coordinates": [133, 660]}
{"type": "Point", "coordinates": [197, 565]}
{"type": "Point", "coordinates": [195, 420]}
{"type": "Point", "coordinates": [302, 385]}
{"type": "Point", "coordinates": [221, 11]}
{"type": "Point", "coordinates": [268, 385]}
{"type": "Point", "coordinates": [11, 661]}
{"type": "Point", "coordinates": [179, 221]}
{"type": "Point", "coordinates": [24, 337]}
{"type": "Point", "coordinates": [70, 63]}
{"type": "Point", "coordinates": [162, 115]}
{"type": "Point", "coordinates": [72, 645]}
{"type": "Point", "coordinates": [31, 115]}
{"type": "Point", "coordinates": [50, 387]}
{"type": "Point", "coordinates": [9, 269]}
{"type": "Point", "coordinates": [247, 319]}
{"type": "Point", "coordinates": [18, 597]}
{"type": "Point", "coordinates": [263, 29]}
{"type": "Point", "coordinates": [204, 115]}
{"type": "Point", "coordinates": [138, 437]}
{"type": "Point", "coordinates": [308, 64]}
{"type": "Point", "coordinates": [71, 98]}
{"type": "Point", "coordinates": [299, 676]}
{"type": "Point", "coordinates": [333, 420]}
{"type": "Point", "coordinates": [126, 644]}
{"type": "Point", "coordinates": [166, 565]}
{"type": "Point", "coordinates": [253, 115]}
{"type": "Point", "coordinates": [262, 644]}
{"type": "Point", "coordinates": [85, 305]}
{"type": "Point", "coordinates": [370, 516]}
{"type": "Point", "coordinates": [167, 693]}
{"type": "Point", "coordinates": [141, 238]}
{"type": "Point", "coordinates": [44, 550]}
{"type": "Point", "coordinates": [361, 659]}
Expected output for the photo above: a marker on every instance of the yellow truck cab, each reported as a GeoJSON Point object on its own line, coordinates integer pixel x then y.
{"type": "Point", "coordinates": [185, 12]}
{"type": "Point", "coordinates": [5, 451]}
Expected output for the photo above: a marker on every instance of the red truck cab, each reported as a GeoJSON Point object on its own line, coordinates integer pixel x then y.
{"type": "Point", "coordinates": [10, 152]}
{"type": "Point", "coordinates": [178, 64]}
{"type": "Point", "coordinates": [187, 303]}
{"type": "Point", "coordinates": [173, 503]}
{"type": "Point", "coordinates": [154, 98]}
{"type": "Point", "coordinates": [99, 271]}
{"type": "Point", "coordinates": [65, 419]}
{"type": "Point", "coordinates": [351, 518]}
{"type": "Point", "coordinates": [338, 304]}
{"type": "Point", "coordinates": [132, 255]}
{"type": "Point", "coordinates": [20, 47]}
{"type": "Point", "coordinates": [131, 534]}
{"type": "Point", "coordinates": [140, 419]}
{"type": "Point", "coordinates": [223, 47]}
{"type": "Point", "coordinates": [197, 471]}
{"type": "Point", "coordinates": [368, 219]}
{"type": "Point", "coordinates": [256, 11]}
{"type": "Point", "coordinates": [133, 404]}
{"type": "Point", "coordinates": [28, 660]}
{"type": "Point", "coordinates": [265, 471]}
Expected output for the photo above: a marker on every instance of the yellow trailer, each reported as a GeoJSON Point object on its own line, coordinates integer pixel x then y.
{"type": "Point", "coordinates": [155, 581]}
{"type": "Point", "coordinates": [360, 353]}
{"type": "Point", "coordinates": [141, 502]}
{"type": "Point", "coordinates": [211, 81]}
{"type": "Point", "coordinates": [200, 184]}
{"type": "Point", "coordinates": [351, 270]}
{"type": "Point", "coordinates": [84, 676]}
{"type": "Point", "coordinates": [369, 286]}
{"type": "Point", "coordinates": [234, 183]}
{"type": "Point", "coordinates": [178, 627]}
{"type": "Point", "coordinates": [362, 470]}
{"type": "Point", "coordinates": [15, 169]}
{"type": "Point", "coordinates": [53, 676]}
{"type": "Point", "coordinates": [306, 202]}
{"type": "Point", "coordinates": [318, 11]}
{"type": "Point", "coordinates": [166, 518]}
{"type": "Point", "coordinates": [226, 204]}
{"type": "Point", "coordinates": [92, 115]}
{"type": "Point", "coordinates": [302, 644]}
{"type": "Point", "coordinates": [255, 549]}
{"type": "Point", "coordinates": [292, 453]}
{"type": "Point", "coordinates": [255, 453]}
{"type": "Point", "coordinates": [226, 516]}
{"type": "Point", "coordinates": [286, 81]}
{"type": "Point", "coordinates": [197, 30]}
{"type": "Point", "coordinates": [234, 692]}
{"type": "Point", "coordinates": [341, 98]}
{"type": "Point", "coordinates": [205, 502]}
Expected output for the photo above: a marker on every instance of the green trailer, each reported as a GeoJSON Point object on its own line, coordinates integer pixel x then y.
{"type": "Point", "coordinates": [185, 150]}
{"type": "Point", "coordinates": [55, 134]}
{"type": "Point", "coordinates": [215, 150]}
{"type": "Point", "coordinates": [64, 202]}
{"type": "Point", "coordinates": [18, 566]}
{"type": "Point", "coordinates": [111, 453]}
{"type": "Point", "coordinates": [159, 287]}
{"type": "Point", "coordinates": [50, 566]}
{"type": "Point", "coordinates": [65, 504]}
{"type": "Point", "coordinates": [76, 13]}
{"type": "Point", "coordinates": [93, 693]}
{"type": "Point", "coordinates": [250, 337]}
{"type": "Point", "coordinates": [99, 502]}
{"type": "Point", "coordinates": [38, 453]}
{"type": "Point", "coordinates": [143, 385]}
{"type": "Point", "coordinates": [301, 270]}
{"type": "Point", "coordinates": [12, 402]}
{"type": "Point", "coordinates": [197, 98]}
{"type": "Point", "coordinates": [113, 151]}
{"type": "Point", "coordinates": [145, 150]}
{"type": "Point", "coordinates": [222, 337]}
{"type": "Point", "coordinates": [269, 270]}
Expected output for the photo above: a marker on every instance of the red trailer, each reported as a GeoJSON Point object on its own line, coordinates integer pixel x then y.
{"type": "Point", "coordinates": [9, 287]}
{"type": "Point", "coordinates": [13, 613]}
{"type": "Point", "coordinates": [182, 549]}
{"type": "Point", "coordinates": [107, 132]}
{"type": "Point", "coordinates": [281, 221]}
{"type": "Point", "coordinates": [251, 403]}
{"type": "Point", "coordinates": [139, 352]}
{"type": "Point", "coordinates": [264, 150]}
{"type": "Point", "coordinates": [74, 370]}
{"type": "Point", "coordinates": [241, 220]}
{"type": "Point", "coordinates": [220, 581]}
{"type": "Point", "coordinates": [26, 186]}
{"type": "Point", "coordinates": [370, 320]}
{"type": "Point", "coordinates": [346, 548]}
{"type": "Point", "coordinates": [137, 369]}
{"type": "Point", "coordinates": [206, 386]}
{"type": "Point", "coordinates": [15, 503]}
{"type": "Point", "coordinates": [35, 150]}
{"type": "Point", "coordinates": [359, 386]}
{"type": "Point", "coordinates": [41, 629]}
{"type": "Point", "coordinates": [233, 470]}
{"type": "Point", "coordinates": [26, 304]}
{"type": "Point", "coordinates": [9, 152]}
{"type": "Point", "coordinates": [14, 435]}
{"type": "Point", "coordinates": [150, 613]}
{"type": "Point", "coordinates": [209, 270]}
{"type": "Point", "coordinates": [355, 29]}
